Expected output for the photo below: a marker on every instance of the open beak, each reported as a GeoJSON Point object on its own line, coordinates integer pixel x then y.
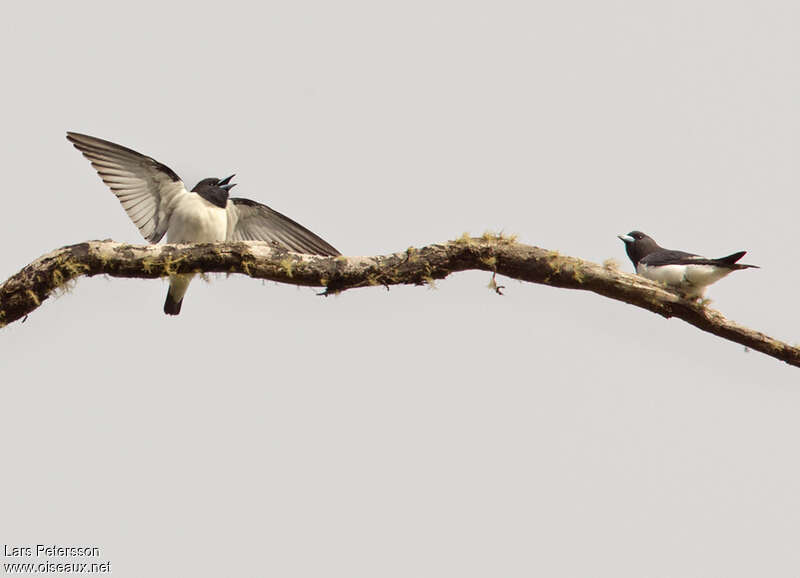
{"type": "Point", "coordinates": [226, 183]}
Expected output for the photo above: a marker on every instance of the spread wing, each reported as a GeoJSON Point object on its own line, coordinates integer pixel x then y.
{"type": "Point", "coordinates": [252, 221]}
{"type": "Point", "coordinates": [145, 187]}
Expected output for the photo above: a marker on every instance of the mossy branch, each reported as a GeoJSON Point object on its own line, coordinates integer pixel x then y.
{"type": "Point", "coordinates": [28, 289]}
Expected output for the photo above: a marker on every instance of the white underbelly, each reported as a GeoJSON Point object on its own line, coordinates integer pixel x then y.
{"type": "Point", "coordinates": [669, 274]}
{"type": "Point", "coordinates": [195, 220]}
{"type": "Point", "coordinates": [704, 275]}
{"type": "Point", "coordinates": [691, 279]}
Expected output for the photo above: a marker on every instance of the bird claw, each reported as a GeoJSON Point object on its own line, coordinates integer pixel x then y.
{"type": "Point", "coordinates": [494, 286]}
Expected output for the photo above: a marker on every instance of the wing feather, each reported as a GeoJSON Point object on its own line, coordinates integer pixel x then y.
{"type": "Point", "coordinates": [252, 221]}
{"type": "Point", "coordinates": [669, 257]}
{"type": "Point", "coordinates": [145, 187]}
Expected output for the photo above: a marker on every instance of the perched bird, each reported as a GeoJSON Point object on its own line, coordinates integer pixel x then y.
{"type": "Point", "coordinates": [157, 201]}
{"type": "Point", "coordinates": [687, 272]}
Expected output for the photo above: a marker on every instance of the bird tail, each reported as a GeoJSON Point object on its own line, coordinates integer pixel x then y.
{"type": "Point", "coordinates": [178, 284]}
{"type": "Point", "coordinates": [730, 261]}
{"type": "Point", "coordinates": [172, 307]}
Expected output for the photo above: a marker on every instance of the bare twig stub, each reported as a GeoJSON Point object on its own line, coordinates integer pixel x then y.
{"type": "Point", "coordinates": [25, 291]}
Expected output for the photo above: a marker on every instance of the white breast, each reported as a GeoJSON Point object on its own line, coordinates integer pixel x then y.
{"type": "Point", "coordinates": [669, 274]}
{"type": "Point", "coordinates": [194, 219]}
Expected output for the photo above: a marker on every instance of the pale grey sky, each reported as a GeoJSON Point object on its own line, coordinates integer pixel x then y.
{"type": "Point", "coordinates": [449, 432]}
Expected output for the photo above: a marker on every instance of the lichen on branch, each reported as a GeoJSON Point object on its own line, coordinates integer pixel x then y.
{"type": "Point", "coordinates": [25, 291]}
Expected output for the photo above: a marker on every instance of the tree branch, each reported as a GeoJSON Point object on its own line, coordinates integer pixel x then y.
{"type": "Point", "coordinates": [24, 292]}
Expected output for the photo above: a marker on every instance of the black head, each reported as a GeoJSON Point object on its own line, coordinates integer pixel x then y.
{"type": "Point", "coordinates": [214, 190]}
{"type": "Point", "coordinates": [638, 245]}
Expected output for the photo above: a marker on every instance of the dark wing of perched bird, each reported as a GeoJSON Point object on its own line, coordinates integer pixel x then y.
{"type": "Point", "coordinates": [252, 221]}
{"type": "Point", "coordinates": [144, 186]}
{"type": "Point", "coordinates": [669, 257]}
